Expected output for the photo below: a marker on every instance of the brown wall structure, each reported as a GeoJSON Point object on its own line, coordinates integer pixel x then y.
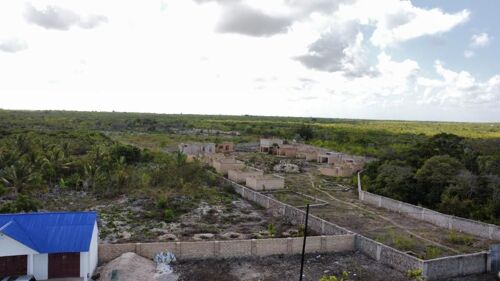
{"type": "Point", "coordinates": [337, 171]}
{"type": "Point", "coordinates": [240, 176]}
{"type": "Point", "coordinates": [223, 165]}
{"type": "Point", "coordinates": [265, 182]}
{"type": "Point", "coordinates": [224, 147]}
{"type": "Point", "coordinates": [231, 248]}
{"type": "Point", "coordinates": [287, 150]}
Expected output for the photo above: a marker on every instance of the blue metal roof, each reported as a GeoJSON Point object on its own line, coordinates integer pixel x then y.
{"type": "Point", "coordinates": [51, 232]}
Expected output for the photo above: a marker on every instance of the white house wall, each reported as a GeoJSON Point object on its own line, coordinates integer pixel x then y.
{"type": "Point", "coordinates": [84, 264]}
{"type": "Point", "coordinates": [88, 260]}
{"type": "Point", "coordinates": [93, 252]}
{"type": "Point", "coordinates": [11, 247]}
{"type": "Point", "coordinates": [41, 266]}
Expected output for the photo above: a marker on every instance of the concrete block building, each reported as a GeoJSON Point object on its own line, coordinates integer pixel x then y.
{"type": "Point", "coordinates": [337, 171]}
{"type": "Point", "coordinates": [224, 147]}
{"type": "Point", "coordinates": [268, 145]}
{"type": "Point", "coordinates": [287, 150]}
{"type": "Point", "coordinates": [49, 245]}
{"type": "Point", "coordinates": [197, 148]}
{"type": "Point", "coordinates": [330, 158]}
{"type": "Point", "coordinates": [240, 176]}
{"type": "Point", "coordinates": [222, 166]}
{"type": "Point", "coordinates": [265, 182]}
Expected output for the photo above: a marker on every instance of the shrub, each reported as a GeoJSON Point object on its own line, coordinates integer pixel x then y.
{"type": "Point", "coordinates": [432, 252]}
{"type": "Point", "coordinates": [415, 274]}
{"type": "Point", "coordinates": [168, 215]}
{"type": "Point", "coordinates": [344, 277]}
{"type": "Point", "coordinates": [161, 203]}
{"type": "Point", "coordinates": [271, 229]}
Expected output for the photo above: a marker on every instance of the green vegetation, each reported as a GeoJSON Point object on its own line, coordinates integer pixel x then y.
{"type": "Point", "coordinates": [451, 167]}
{"type": "Point", "coordinates": [364, 137]}
{"type": "Point", "coordinates": [271, 229]}
{"type": "Point", "coordinates": [431, 252]}
{"type": "Point", "coordinates": [415, 274]}
{"type": "Point", "coordinates": [398, 240]}
{"type": "Point", "coordinates": [458, 238]}
{"type": "Point", "coordinates": [33, 163]}
{"type": "Point", "coordinates": [343, 277]}
{"type": "Point", "coordinates": [451, 174]}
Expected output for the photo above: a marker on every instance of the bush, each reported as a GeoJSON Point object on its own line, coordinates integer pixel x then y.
{"type": "Point", "coordinates": [432, 252]}
{"type": "Point", "coordinates": [271, 229]}
{"type": "Point", "coordinates": [161, 203]}
{"type": "Point", "coordinates": [168, 215]}
{"type": "Point", "coordinates": [344, 277]}
{"type": "Point", "coordinates": [22, 203]}
{"type": "Point", "coordinates": [415, 274]}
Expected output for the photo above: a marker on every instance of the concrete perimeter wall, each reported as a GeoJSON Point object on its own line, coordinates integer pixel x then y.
{"type": "Point", "coordinates": [444, 267]}
{"type": "Point", "coordinates": [233, 248]}
{"type": "Point", "coordinates": [457, 265]}
{"type": "Point", "coordinates": [292, 214]}
{"type": "Point", "coordinates": [387, 255]}
{"type": "Point", "coordinates": [484, 230]}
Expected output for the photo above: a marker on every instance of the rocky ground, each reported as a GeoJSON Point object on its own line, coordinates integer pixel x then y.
{"type": "Point", "coordinates": [131, 219]}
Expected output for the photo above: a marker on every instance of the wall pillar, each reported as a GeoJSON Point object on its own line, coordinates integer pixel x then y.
{"type": "Point", "coordinates": [30, 264]}
{"type": "Point", "coordinates": [253, 247]}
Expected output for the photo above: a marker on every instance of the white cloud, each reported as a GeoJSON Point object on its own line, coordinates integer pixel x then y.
{"type": "Point", "coordinates": [12, 45]}
{"type": "Point", "coordinates": [480, 40]}
{"type": "Point", "coordinates": [398, 21]}
{"type": "Point", "coordinates": [246, 20]}
{"type": "Point", "coordinates": [167, 56]}
{"type": "Point", "coordinates": [469, 54]}
{"type": "Point", "coordinates": [54, 17]}
{"type": "Point", "coordinates": [460, 88]}
{"type": "Point", "coordinates": [341, 48]}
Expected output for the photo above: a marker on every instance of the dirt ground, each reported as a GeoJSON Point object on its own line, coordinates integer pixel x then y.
{"type": "Point", "coordinates": [279, 268]}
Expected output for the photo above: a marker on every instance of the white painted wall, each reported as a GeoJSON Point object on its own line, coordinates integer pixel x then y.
{"type": "Point", "coordinates": [11, 247]}
{"type": "Point", "coordinates": [88, 260]}
{"type": "Point", "coordinates": [84, 264]}
{"type": "Point", "coordinates": [93, 252]}
{"type": "Point", "coordinates": [41, 266]}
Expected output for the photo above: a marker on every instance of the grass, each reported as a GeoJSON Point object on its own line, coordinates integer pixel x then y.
{"type": "Point", "coordinates": [399, 241]}
{"type": "Point", "coordinates": [459, 238]}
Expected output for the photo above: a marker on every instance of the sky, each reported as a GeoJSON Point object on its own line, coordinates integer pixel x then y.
{"type": "Point", "coordinates": [385, 59]}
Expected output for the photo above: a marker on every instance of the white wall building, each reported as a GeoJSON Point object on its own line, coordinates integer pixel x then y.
{"type": "Point", "coordinates": [49, 245]}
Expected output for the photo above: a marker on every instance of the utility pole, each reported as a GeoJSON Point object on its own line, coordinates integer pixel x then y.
{"type": "Point", "coordinates": [304, 245]}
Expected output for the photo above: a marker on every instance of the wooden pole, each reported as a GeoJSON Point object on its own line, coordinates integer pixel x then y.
{"type": "Point", "coordinates": [304, 245]}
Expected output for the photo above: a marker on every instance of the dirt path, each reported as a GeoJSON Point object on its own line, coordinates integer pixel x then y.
{"type": "Point", "coordinates": [405, 229]}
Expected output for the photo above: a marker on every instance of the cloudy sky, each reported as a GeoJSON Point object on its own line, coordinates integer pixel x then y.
{"type": "Point", "coordinates": [384, 59]}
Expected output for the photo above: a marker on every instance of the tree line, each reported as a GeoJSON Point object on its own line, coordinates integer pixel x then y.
{"type": "Point", "coordinates": [448, 173]}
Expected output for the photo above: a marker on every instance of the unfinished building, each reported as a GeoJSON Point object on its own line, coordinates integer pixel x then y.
{"type": "Point", "coordinates": [196, 148]}
{"type": "Point", "coordinates": [240, 176]}
{"type": "Point", "coordinates": [224, 147]}
{"type": "Point", "coordinates": [265, 182]}
{"type": "Point", "coordinates": [286, 150]}
{"type": "Point", "coordinates": [223, 165]}
{"type": "Point", "coordinates": [309, 152]}
{"type": "Point", "coordinates": [330, 158]}
{"type": "Point", "coordinates": [337, 171]}
{"type": "Point", "coordinates": [268, 145]}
